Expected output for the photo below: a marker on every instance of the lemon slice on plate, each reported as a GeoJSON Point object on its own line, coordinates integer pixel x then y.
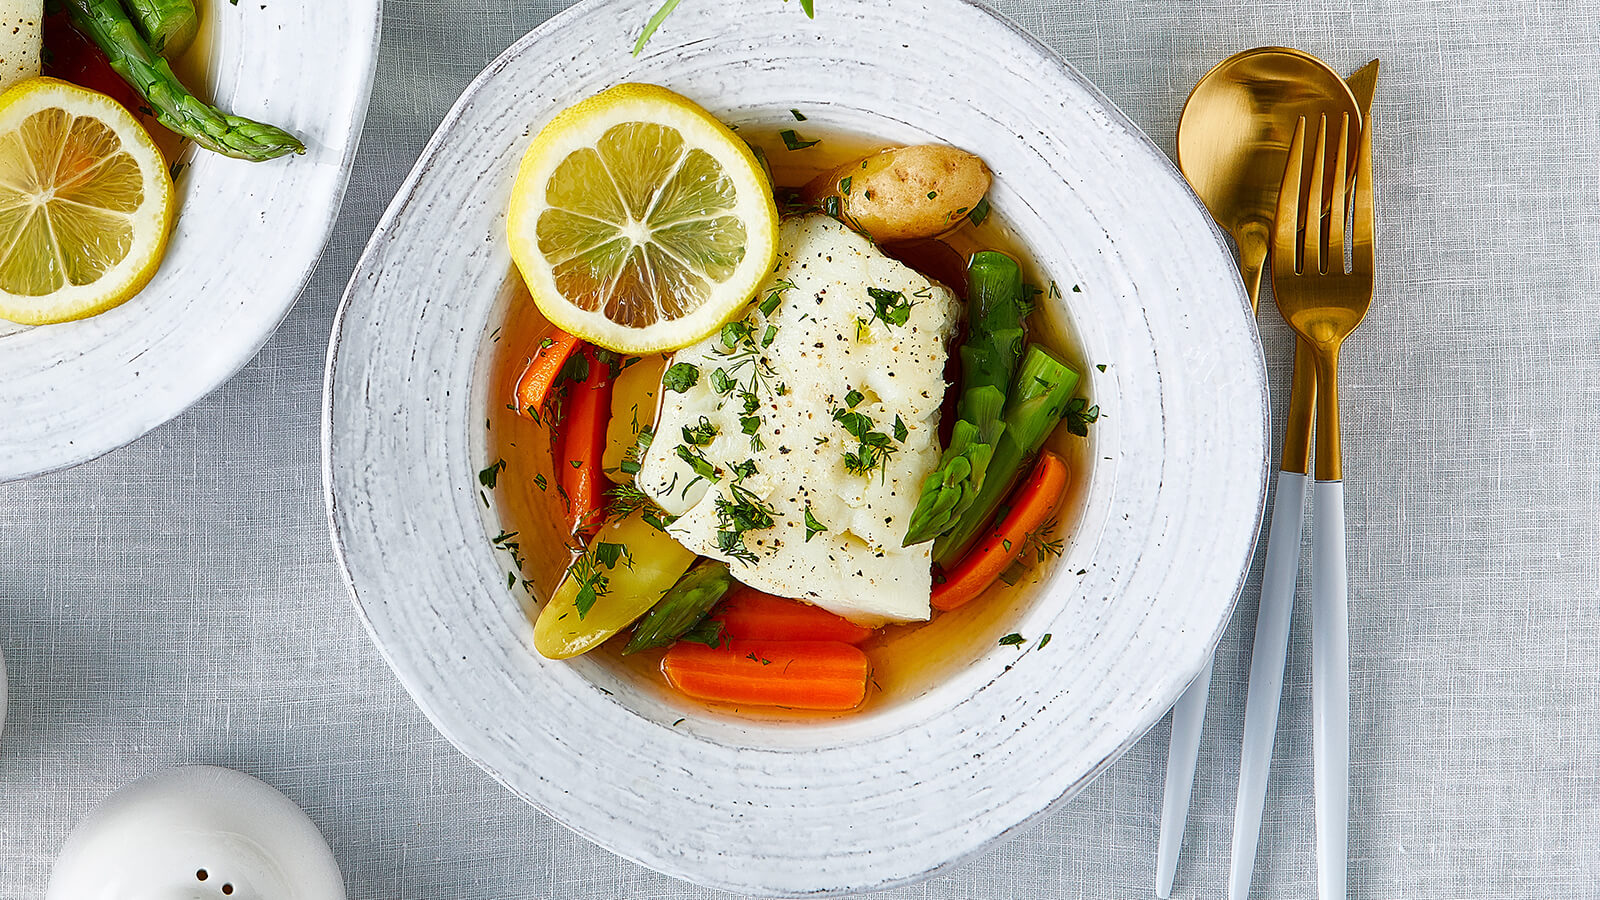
{"type": "Point", "coordinates": [640, 222]}
{"type": "Point", "coordinates": [85, 203]}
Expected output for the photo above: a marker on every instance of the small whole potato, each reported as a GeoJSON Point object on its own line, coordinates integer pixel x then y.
{"type": "Point", "coordinates": [903, 193]}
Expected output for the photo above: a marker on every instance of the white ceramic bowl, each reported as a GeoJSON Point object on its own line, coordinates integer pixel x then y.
{"type": "Point", "coordinates": [1167, 526]}
{"type": "Point", "coordinates": [244, 244]}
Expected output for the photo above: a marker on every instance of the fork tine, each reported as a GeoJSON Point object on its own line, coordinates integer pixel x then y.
{"type": "Point", "coordinates": [1361, 223]}
{"type": "Point", "coordinates": [1312, 256]}
{"type": "Point", "coordinates": [1285, 224]}
{"type": "Point", "coordinates": [1336, 202]}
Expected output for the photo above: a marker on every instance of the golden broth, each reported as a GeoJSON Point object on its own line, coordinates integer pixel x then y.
{"type": "Point", "coordinates": [907, 659]}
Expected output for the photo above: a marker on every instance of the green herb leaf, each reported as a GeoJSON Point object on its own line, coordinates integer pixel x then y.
{"type": "Point", "coordinates": [1078, 418]}
{"type": "Point", "coordinates": [844, 184]}
{"type": "Point", "coordinates": [797, 116]}
{"type": "Point", "coordinates": [979, 212]}
{"type": "Point", "coordinates": [697, 461]}
{"type": "Point", "coordinates": [854, 398]}
{"type": "Point", "coordinates": [490, 476]}
{"type": "Point", "coordinates": [649, 27]}
{"type": "Point", "coordinates": [1012, 640]}
{"type": "Point", "coordinates": [680, 377]}
{"type": "Point", "coordinates": [813, 527]}
{"type": "Point", "coordinates": [722, 382]}
{"type": "Point", "coordinates": [1044, 641]}
{"type": "Point", "coordinates": [900, 430]}
{"type": "Point", "coordinates": [794, 141]}
{"type": "Point", "coordinates": [890, 306]}
{"type": "Point", "coordinates": [699, 434]}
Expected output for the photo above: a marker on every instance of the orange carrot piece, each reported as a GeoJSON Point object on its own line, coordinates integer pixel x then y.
{"type": "Point", "coordinates": [539, 377]}
{"type": "Point", "coordinates": [1031, 506]}
{"type": "Point", "coordinates": [796, 674]}
{"type": "Point", "coordinates": [749, 614]}
{"type": "Point", "coordinates": [583, 442]}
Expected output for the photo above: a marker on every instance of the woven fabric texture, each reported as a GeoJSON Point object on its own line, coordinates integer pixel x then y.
{"type": "Point", "coordinates": [177, 602]}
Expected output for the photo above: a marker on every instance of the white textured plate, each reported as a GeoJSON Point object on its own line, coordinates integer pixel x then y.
{"type": "Point", "coordinates": [1169, 518]}
{"type": "Point", "coordinates": [246, 238]}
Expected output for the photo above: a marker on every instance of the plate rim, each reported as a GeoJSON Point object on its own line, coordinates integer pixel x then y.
{"type": "Point", "coordinates": [382, 236]}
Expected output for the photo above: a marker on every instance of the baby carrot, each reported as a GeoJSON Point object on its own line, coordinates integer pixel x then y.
{"type": "Point", "coordinates": [754, 615]}
{"type": "Point", "coordinates": [583, 440]}
{"type": "Point", "coordinates": [798, 674]}
{"type": "Point", "coordinates": [1032, 505]}
{"type": "Point", "coordinates": [539, 377]}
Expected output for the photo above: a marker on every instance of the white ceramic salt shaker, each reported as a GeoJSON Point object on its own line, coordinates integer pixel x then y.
{"type": "Point", "coordinates": [196, 833]}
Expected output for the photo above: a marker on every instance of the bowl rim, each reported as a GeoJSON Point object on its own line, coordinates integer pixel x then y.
{"type": "Point", "coordinates": [406, 195]}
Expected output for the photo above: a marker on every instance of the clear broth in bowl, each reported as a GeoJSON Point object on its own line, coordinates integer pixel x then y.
{"type": "Point", "coordinates": [907, 659]}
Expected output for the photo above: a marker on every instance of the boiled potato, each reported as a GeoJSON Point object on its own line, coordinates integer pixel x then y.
{"type": "Point", "coordinates": [904, 193]}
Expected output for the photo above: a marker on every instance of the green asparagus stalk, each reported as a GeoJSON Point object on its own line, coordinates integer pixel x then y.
{"type": "Point", "coordinates": [168, 26]}
{"type": "Point", "coordinates": [988, 359]}
{"type": "Point", "coordinates": [1038, 401]}
{"type": "Point", "coordinates": [104, 22]}
{"type": "Point", "coordinates": [682, 607]}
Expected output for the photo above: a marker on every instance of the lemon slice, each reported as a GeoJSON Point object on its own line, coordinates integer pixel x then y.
{"type": "Point", "coordinates": [639, 222]}
{"type": "Point", "coordinates": [85, 203]}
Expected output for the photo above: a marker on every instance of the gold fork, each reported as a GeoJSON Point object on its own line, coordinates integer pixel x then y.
{"type": "Point", "coordinates": [1323, 303]}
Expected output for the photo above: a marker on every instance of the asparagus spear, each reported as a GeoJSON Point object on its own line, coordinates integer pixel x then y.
{"type": "Point", "coordinates": [1038, 401]}
{"type": "Point", "coordinates": [169, 26]}
{"type": "Point", "coordinates": [104, 22]}
{"type": "Point", "coordinates": [682, 607]}
{"type": "Point", "coordinates": [988, 359]}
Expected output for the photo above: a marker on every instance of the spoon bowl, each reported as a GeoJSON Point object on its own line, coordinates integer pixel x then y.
{"type": "Point", "coordinates": [1234, 137]}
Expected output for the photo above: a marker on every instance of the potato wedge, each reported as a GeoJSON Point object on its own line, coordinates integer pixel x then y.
{"type": "Point", "coordinates": [904, 193]}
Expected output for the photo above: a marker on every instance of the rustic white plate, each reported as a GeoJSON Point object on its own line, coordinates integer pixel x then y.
{"type": "Point", "coordinates": [1165, 533]}
{"type": "Point", "coordinates": [244, 244]}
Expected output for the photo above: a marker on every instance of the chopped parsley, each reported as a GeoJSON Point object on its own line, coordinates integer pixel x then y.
{"type": "Point", "coordinates": [794, 141]}
{"type": "Point", "coordinates": [890, 306]}
{"type": "Point", "coordinates": [1079, 416]}
{"type": "Point", "coordinates": [592, 583]}
{"type": "Point", "coordinates": [1012, 640]}
{"type": "Point", "coordinates": [873, 448]}
{"type": "Point", "coordinates": [844, 184]}
{"type": "Point", "coordinates": [541, 481]}
{"type": "Point", "coordinates": [739, 512]}
{"type": "Point", "coordinates": [680, 377]}
{"type": "Point", "coordinates": [721, 381]}
{"type": "Point", "coordinates": [633, 457]}
{"type": "Point", "coordinates": [708, 632]}
{"type": "Point", "coordinates": [979, 212]}
{"type": "Point", "coordinates": [490, 476]}
{"type": "Point", "coordinates": [769, 304]}
{"type": "Point", "coordinates": [813, 527]}
{"type": "Point", "coordinates": [700, 433]}
{"type": "Point", "coordinates": [698, 462]}
{"type": "Point", "coordinates": [797, 116]}
{"type": "Point", "coordinates": [1044, 641]}
{"type": "Point", "coordinates": [900, 430]}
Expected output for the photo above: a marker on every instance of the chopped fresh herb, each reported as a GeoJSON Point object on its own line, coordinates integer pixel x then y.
{"type": "Point", "coordinates": [932, 194]}
{"type": "Point", "coordinates": [854, 398]}
{"type": "Point", "coordinates": [809, 8]}
{"type": "Point", "coordinates": [750, 424]}
{"type": "Point", "coordinates": [541, 481]}
{"type": "Point", "coordinates": [768, 336]}
{"type": "Point", "coordinates": [890, 306]}
{"type": "Point", "coordinates": [633, 457]}
{"type": "Point", "coordinates": [1012, 640]}
{"type": "Point", "coordinates": [575, 463]}
{"type": "Point", "coordinates": [863, 330]}
{"type": "Point", "coordinates": [738, 513]}
{"type": "Point", "coordinates": [1055, 291]}
{"type": "Point", "coordinates": [1101, 367]}
{"type": "Point", "coordinates": [794, 141]}
{"type": "Point", "coordinates": [900, 430]}
{"type": "Point", "coordinates": [490, 476]}
{"type": "Point", "coordinates": [592, 583]}
{"type": "Point", "coordinates": [1044, 641]}
{"type": "Point", "coordinates": [626, 499]}
{"type": "Point", "coordinates": [1079, 418]}
{"type": "Point", "coordinates": [733, 333]}
{"type": "Point", "coordinates": [751, 402]}
{"type": "Point", "coordinates": [698, 462]}
{"type": "Point", "coordinates": [873, 448]}
{"type": "Point", "coordinates": [744, 470]}
{"type": "Point", "coordinates": [797, 116]}
{"type": "Point", "coordinates": [813, 527]}
{"type": "Point", "coordinates": [680, 377]}
{"type": "Point", "coordinates": [1041, 545]}
{"type": "Point", "coordinates": [649, 27]}
{"type": "Point", "coordinates": [979, 212]}
{"type": "Point", "coordinates": [700, 433]}
{"type": "Point", "coordinates": [721, 381]}
{"type": "Point", "coordinates": [844, 184]}
{"type": "Point", "coordinates": [774, 296]}
{"type": "Point", "coordinates": [1076, 289]}
{"type": "Point", "coordinates": [511, 580]}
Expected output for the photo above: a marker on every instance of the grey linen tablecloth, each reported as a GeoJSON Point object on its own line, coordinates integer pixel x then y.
{"type": "Point", "coordinates": [177, 601]}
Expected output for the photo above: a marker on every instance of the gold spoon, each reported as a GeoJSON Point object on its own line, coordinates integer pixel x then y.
{"type": "Point", "coordinates": [1233, 142]}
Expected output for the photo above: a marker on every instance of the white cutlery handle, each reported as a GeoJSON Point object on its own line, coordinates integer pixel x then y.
{"type": "Point", "coordinates": [1330, 687]}
{"type": "Point", "coordinates": [1267, 660]}
{"type": "Point", "coordinates": [1188, 720]}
